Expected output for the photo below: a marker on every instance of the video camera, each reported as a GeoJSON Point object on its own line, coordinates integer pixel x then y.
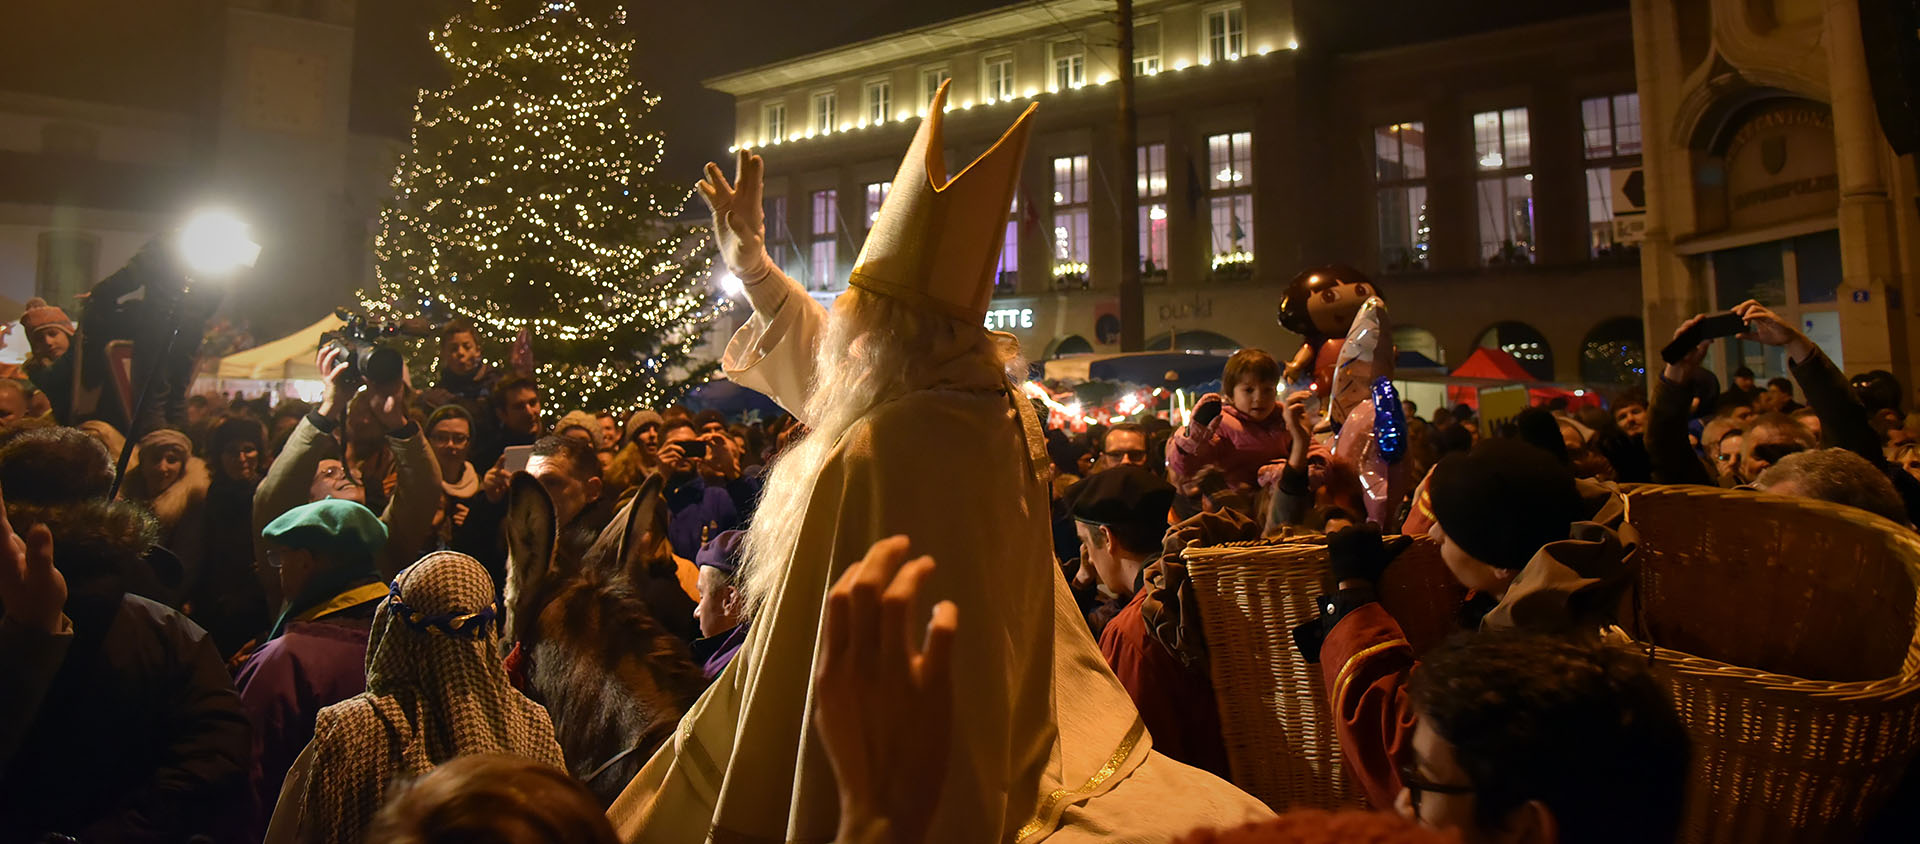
{"type": "Point", "coordinates": [364, 346]}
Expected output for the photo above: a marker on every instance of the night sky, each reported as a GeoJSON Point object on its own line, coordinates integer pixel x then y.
{"type": "Point", "coordinates": [148, 52]}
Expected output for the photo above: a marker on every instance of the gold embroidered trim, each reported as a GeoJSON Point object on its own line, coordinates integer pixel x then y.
{"type": "Point", "coordinates": [1346, 671]}
{"type": "Point", "coordinates": [1058, 797]}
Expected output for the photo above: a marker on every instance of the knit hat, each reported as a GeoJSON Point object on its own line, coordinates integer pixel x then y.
{"type": "Point", "coordinates": [641, 419]}
{"type": "Point", "coordinates": [722, 552]}
{"type": "Point", "coordinates": [1503, 500]}
{"type": "Point", "coordinates": [584, 421]}
{"type": "Point", "coordinates": [332, 525]}
{"type": "Point", "coordinates": [166, 438]}
{"type": "Point", "coordinates": [40, 315]}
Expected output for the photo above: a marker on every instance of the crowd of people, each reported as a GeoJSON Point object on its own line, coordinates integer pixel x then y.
{"type": "Point", "coordinates": [284, 622]}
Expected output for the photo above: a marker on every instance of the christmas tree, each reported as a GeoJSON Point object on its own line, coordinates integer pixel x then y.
{"type": "Point", "coordinates": [527, 202]}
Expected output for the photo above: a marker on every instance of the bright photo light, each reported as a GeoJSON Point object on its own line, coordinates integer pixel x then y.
{"type": "Point", "coordinates": [214, 242]}
{"type": "Point", "coordinates": [730, 284]}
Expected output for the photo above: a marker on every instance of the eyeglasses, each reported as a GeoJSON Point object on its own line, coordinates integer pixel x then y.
{"type": "Point", "coordinates": [1416, 784]}
{"type": "Point", "coordinates": [273, 559]}
{"type": "Point", "coordinates": [450, 438]}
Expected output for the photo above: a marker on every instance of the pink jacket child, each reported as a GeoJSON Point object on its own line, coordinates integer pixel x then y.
{"type": "Point", "coordinates": [1234, 441]}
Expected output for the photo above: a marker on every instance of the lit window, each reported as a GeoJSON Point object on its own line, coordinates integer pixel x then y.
{"type": "Point", "coordinates": [1230, 204]}
{"type": "Point", "coordinates": [876, 197]}
{"type": "Point", "coordinates": [1007, 274]}
{"type": "Point", "coordinates": [1500, 139]}
{"type": "Point", "coordinates": [1505, 207]}
{"type": "Point", "coordinates": [996, 78]}
{"type": "Point", "coordinates": [1070, 218]}
{"type": "Point", "coordinates": [1151, 163]}
{"type": "Point", "coordinates": [1146, 48]}
{"type": "Point", "coordinates": [930, 80]}
{"type": "Point", "coordinates": [1230, 160]}
{"type": "Point", "coordinates": [1612, 133]}
{"type": "Point", "coordinates": [825, 106]}
{"type": "Point", "coordinates": [1612, 125]}
{"type": "Point", "coordinates": [879, 101]}
{"type": "Point", "coordinates": [1226, 33]}
{"type": "Point", "coordinates": [1399, 173]}
{"type": "Point", "coordinates": [823, 254]}
{"type": "Point", "coordinates": [773, 121]}
{"type": "Point", "coordinates": [1069, 65]}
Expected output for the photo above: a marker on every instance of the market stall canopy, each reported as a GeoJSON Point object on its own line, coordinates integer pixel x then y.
{"type": "Point", "coordinates": [1149, 368]}
{"type": "Point", "coordinates": [289, 358]}
{"type": "Point", "coordinates": [1488, 367]}
{"type": "Point", "coordinates": [729, 398]}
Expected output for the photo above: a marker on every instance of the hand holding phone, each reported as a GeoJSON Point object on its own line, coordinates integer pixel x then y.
{"type": "Point", "coordinates": [515, 458]}
{"type": "Point", "coordinates": [1710, 328]}
{"type": "Point", "coordinates": [693, 449]}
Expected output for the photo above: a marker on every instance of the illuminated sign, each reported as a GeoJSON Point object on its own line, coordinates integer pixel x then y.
{"type": "Point", "coordinates": [1009, 318]}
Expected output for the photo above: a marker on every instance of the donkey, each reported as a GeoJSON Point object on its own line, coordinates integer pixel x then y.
{"type": "Point", "coordinates": [590, 633]}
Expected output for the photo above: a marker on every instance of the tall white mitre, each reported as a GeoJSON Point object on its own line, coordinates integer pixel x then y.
{"type": "Point", "coordinates": [937, 241]}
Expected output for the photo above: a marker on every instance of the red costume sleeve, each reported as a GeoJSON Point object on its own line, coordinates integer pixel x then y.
{"type": "Point", "coordinates": [1176, 704]}
{"type": "Point", "coordinates": [1366, 661]}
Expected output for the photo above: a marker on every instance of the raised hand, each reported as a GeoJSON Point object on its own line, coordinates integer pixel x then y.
{"type": "Point", "coordinates": [338, 386]}
{"type": "Point", "coordinates": [739, 222]}
{"type": "Point", "coordinates": [32, 591]}
{"type": "Point", "coordinates": [1765, 326]}
{"type": "Point", "coordinates": [884, 700]}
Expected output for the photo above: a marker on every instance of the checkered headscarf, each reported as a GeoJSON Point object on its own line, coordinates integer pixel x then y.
{"type": "Point", "coordinates": [435, 690]}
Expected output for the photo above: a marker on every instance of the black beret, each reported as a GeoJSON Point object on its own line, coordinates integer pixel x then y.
{"type": "Point", "coordinates": [1123, 495]}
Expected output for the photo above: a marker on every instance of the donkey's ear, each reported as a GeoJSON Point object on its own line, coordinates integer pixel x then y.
{"type": "Point", "coordinates": [532, 532]}
{"type": "Point", "coordinates": [644, 537]}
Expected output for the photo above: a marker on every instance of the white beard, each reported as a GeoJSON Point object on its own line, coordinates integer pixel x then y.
{"type": "Point", "coordinates": [875, 349]}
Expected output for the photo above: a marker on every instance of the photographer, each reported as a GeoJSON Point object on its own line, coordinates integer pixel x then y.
{"type": "Point", "coordinates": [310, 469]}
{"type": "Point", "coordinates": [705, 490]}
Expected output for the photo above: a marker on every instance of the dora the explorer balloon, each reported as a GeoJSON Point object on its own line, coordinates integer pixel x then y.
{"type": "Point", "coordinates": [1320, 305]}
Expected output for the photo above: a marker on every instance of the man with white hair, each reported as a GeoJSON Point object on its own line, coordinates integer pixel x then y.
{"type": "Point", "coordinates": [916, 430]}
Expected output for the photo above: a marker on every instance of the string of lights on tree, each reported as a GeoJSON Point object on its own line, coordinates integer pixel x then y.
{"type": "Point", "coordinates": [528, 201]}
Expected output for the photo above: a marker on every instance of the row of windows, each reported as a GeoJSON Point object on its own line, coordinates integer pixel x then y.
{"type": "Point", "coordinates": [1504, 197]}
{"type": "Point", "coordinates": [1224, 39]}
{"type": "Point", "coordinates": [1505, 200]}
{"type": "Point", "coordinates": [1229, 198]}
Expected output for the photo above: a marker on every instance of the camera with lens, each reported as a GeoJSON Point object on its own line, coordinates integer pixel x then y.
{"type": "Point", "coordinates": [367, 346]}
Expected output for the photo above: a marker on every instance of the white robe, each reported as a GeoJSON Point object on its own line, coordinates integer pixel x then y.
{"type": "Point", "coordinates": [1046, 745]}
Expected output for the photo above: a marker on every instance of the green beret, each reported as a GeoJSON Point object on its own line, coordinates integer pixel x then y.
{"type": "Point", "coordinates": [330, 525]}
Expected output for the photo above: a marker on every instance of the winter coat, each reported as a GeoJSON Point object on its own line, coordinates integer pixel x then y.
{"type": "Point", "coordinates": [1235, 442]}
{"type": "Point", "coordinates": [127, 728]}
{"type": "Point", "coordinates": [226, 597]}
{"type": "Point", "coordinates": [701, 512]}
{"type": "Point", "coordinates": [408, 516]}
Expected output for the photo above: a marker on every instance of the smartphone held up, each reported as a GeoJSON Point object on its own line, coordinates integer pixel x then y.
{"type": "Point", "coordinates": [1714, 327]}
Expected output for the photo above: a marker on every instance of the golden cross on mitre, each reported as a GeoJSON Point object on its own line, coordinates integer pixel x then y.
{"type": "Point", "coordinates": [937, 240]}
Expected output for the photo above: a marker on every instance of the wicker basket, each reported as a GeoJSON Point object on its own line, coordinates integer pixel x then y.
{"type": "Point", "coordinates": [1786, 630]}
{"type": "Point", "coordinates": [1273, 705]}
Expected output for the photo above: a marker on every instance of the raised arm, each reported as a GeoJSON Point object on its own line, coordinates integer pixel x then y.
{"type": "Point", "coordinates": [773, 352]}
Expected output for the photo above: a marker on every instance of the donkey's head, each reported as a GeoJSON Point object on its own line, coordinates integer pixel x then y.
{"type": "Point", "coordinates": [597, 632]}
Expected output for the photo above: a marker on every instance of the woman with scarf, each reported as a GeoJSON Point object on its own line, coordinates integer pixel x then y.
{"type": "Point", "coordinates": [436, 691]}
{"type": "Point", "coordinates": [315, 654]}
{"type": "Point", "coordinates": [172, 483]}
{"type": "Point", "coordinates": [450, 434]}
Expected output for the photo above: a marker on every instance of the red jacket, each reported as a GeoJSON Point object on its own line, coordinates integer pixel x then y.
{"type": "Point", "coordinates": [1366, 662]}
{"type": "Point", "coordinates": [1175, 703]}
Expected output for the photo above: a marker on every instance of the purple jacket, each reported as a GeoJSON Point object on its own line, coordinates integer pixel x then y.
{"type": "Point", "coordinates": [1237, 444]}
{"type": "Point", "coordinates": [285, 684]}
{"type": "Point", "coordinates": [714, 652]}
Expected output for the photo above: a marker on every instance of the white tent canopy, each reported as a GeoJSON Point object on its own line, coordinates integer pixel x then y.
{"type": "Point", "coordinates": [289, 358]}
